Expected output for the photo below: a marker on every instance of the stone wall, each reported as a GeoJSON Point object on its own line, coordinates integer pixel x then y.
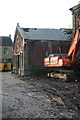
{"type": "Point", "coordinates": [76, 19]}
{"type": "Point", "coordinates": [2, 55]}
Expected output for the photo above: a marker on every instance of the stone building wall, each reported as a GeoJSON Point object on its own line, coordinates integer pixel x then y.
{"type": "Point", "coordinates": [2, 55]}
{"type": "Point", "coordinates": [76, 18]}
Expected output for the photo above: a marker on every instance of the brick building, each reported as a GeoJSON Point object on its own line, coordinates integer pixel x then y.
{"type": "Point", "coordinates": [76, 17]}
{"type": "Point", "coordinates": [31, 45]}
{"type": "Point", "coordinates": [76, 20]}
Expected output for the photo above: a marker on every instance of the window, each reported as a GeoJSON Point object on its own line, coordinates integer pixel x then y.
{"type": "Point", "coordinates": [6, 51]}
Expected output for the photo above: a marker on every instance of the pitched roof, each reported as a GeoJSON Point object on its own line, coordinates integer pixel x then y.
{"type": "Point", "coordinates": [5, 41]}
{"type": "Point", "coordinates": [46, 34]}
{"type": "Point", "coordinates": [75, 7]}
{"type": "Point", "coordinates": [42, 34]}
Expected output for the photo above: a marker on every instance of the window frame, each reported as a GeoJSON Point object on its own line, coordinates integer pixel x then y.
{"type": "Point", "coordinates": [6, 51]}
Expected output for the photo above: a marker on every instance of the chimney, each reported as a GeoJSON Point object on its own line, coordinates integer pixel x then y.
{"type": "Point", "coordinates": [17, 24]}
{"type": "Point", "coordinates": [10, 35]}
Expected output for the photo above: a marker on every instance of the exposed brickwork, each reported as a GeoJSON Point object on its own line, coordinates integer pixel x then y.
{"type": "Point", "coordinates": [18, 42]}
{"type": "Point", "coordinates": [32, 57]}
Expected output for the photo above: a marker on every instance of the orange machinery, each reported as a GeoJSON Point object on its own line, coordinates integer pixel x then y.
{"type": "Point", "coordinates": [62, 60]}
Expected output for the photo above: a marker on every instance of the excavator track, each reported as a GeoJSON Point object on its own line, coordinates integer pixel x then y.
{"type": "Point", "coordinates": [64, 75]}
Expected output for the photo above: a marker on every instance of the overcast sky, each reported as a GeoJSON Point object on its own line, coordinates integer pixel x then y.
{"type": "Point", "coordinates": [35, 14]}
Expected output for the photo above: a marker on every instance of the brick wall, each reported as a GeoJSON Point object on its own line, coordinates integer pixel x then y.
{"type": "Point", "coordinates": [35, 51]}
{"type": "Point", "coordinates": [32, 58]}
{"type": "Point", "coordinates": [18, 60]}
{"type": "Point", "coordinates": [18, 45]}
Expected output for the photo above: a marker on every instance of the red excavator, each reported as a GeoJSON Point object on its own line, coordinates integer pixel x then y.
{"type": "Point", "coordinates": [56, 62]}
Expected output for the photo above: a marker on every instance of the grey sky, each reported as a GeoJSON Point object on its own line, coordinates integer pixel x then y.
{"type": "Point", "coordinates": [35, 14]}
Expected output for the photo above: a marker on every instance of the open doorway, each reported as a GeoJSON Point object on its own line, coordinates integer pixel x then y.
{"type": "Point", "coordinates": [18, 62]}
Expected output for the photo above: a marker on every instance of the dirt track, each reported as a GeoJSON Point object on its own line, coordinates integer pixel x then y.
{"type": "Point", "coordinates": [39, 97]}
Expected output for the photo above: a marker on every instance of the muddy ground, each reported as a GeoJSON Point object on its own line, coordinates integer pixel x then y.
{"type": "Point", "coordinates": [39, 97]}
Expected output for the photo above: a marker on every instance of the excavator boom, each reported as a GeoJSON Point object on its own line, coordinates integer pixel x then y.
{"type": "Point", "coordinates": [75, 45]}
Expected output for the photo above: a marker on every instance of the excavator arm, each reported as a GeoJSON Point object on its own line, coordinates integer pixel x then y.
{"type": "Point", "coordinates": [75, 45]}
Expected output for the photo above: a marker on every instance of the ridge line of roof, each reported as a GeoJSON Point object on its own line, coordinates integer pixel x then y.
{"type": "Point", "coordinates": [78, 5]}
{"type": "Point", "coordinates": [24, 33]}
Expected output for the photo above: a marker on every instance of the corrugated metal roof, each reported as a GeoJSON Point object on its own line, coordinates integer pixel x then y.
{"type": "Point", "coordinates": [42, 34]}
{"type": "Point", "coordinates": [5, 41]}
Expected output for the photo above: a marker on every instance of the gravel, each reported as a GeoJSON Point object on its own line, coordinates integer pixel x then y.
{"type": "Point", "coordinates": [32, 97]}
